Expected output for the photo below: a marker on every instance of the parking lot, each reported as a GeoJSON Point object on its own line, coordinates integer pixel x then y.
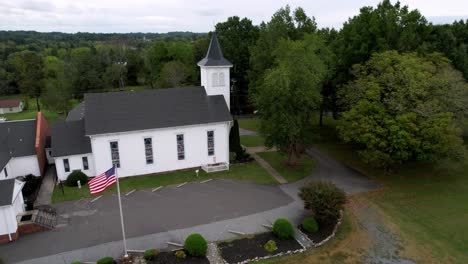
{"type": "Point", "coordinates": [84, 223]}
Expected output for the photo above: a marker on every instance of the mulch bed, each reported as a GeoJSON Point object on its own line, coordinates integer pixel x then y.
{"type": "Point", "coordinates": [325, 230]}
{"type": "Point", "coordinates": [170, 258]}
{"type": "Point", "coordinates": [251, 247]}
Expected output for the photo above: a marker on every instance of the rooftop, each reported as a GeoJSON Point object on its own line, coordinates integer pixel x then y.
{"type": "Point", "coordinates": [214, 56]}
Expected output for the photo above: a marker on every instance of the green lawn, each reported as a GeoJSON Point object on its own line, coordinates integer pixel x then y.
{"type": "Point", "coordinates": [252, 141]}
{"type": "Point", "coordinates": [428, 202]}
{"type": "Point", "coordinates": [277, 160]}
{"type": "Point", "coordinates": [251, 172]}
{"type": "Point", "coordinates": [252, 124]}
{"type": "Point", "coordinates": [31, 112]}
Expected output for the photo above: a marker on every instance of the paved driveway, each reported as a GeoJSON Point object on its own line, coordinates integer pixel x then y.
{"type": "Point", "coordinates": [84, 224]}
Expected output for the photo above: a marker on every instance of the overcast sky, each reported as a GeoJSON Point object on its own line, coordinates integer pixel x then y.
{"type": "Point", "coordinates": [186, 15]}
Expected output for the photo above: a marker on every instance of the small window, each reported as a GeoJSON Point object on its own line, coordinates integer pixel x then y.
{"type": "Point", "coordinates": [214, 79]}
{"type": "Point", "coordinates": [114, 146]}
{"type": "Point", "coordinates": [85, 163]}
{"type": "Point", "coordinates": [149, 150]}
{"type": "Point", "coordinates": [221, 79]}
{"type": "Point", "coordinates": [6, 172]}
{"type": "Point", "coordinates": [66, 165]}
{"type": "Point", "coordinates": [180, 147]}
{"type": "Point", "coordinates": [210, 137]}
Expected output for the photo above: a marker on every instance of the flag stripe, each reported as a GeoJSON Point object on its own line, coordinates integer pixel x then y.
{"type": "Point", "coordinates": [102, 181]}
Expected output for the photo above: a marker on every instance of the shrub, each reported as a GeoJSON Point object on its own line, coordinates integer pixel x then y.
{"type": "Point", "coordinates": [196, 245]}
{"type": "Point", "coordinates": [283, 229]}
{"type": "Point", "coordinates": [324, 199]}
{"type": "Point", "coordinates": [270, 246]}
{"type": "Point", "coordinates": [74, 262]}
{"type": "Point", "coordinates": [180, 254]}
{"type": "Point", "coordinates": [76, 176]}
{"type": "Point", "coordinates": [150, 254]}
{"type": "Point", "coordinates": [310, 225]}
{"type": "Point", "coordinates": [106, 260]}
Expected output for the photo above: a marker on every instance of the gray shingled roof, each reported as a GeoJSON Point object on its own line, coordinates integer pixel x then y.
{"type": "Point", "coordinates": [149, 109]}
{"type": "Point", "coordinates": [6, 191]}
{"type": "Point", "coordinates": [76, 113]}
{"type": "Point", "coordinates": [17, 139]}
{"type": "Point", "coordinates": [214, 56]}
{"type": "Point", "coordinates": [68, 138]}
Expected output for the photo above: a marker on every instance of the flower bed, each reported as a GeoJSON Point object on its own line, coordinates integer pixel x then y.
{"type": "Point", "coordinates": [246, 249]}
{"type": "Point", "coordinates": [170, 258]}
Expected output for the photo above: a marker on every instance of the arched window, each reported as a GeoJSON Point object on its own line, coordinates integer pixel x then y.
{"type": "Point", "coordinates": [214, 79]}
{"type": "Point", "coordinates": [221, 79]}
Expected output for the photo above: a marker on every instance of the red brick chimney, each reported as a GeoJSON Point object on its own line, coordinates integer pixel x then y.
{"type": "Point", "coordinates": [42, 132]}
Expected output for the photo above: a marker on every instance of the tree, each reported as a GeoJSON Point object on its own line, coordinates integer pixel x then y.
{"type": "Point", "coordinates": [386, 27]}
{"type": "Point", "coordinates": [283, 25]}
{"type": "Point", "coordinates": [85, 74]}
{"type": "Point", "coordinates": [58, 86]}
{"type": "Point", "coordinates": [28, 69]}
{"type": "Point", "coordinates": [236, 36]}
{"type": "Point", "coordinates": [324, 199]}
{"type": "Point", "coordinates": [290, 94]}
{"type": "Point", "coordinates": [173, 74]}
{"type": "Point", "coordinates": [402, 107]}
{"type": "Point", "coordinates": [234, 138]}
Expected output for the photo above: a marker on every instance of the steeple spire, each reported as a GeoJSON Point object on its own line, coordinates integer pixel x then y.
{"type": "Point", "coordinates": [214, 56]}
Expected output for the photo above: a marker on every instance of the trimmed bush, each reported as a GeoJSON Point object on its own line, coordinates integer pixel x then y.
{"type": "Point", "coordinates": [310, 225]}
{"type": "Point", "coordinates": [74, 262]}
{"type": "Point", "coordinates": [324, 199]}
{"type": "Point", "coordinates": [150, 254]}
{"type": "Point", "coordinates": [283, 229]}
{"type": "Point", "coordinates": [73, 178]}
{"type": "Point", "coordinates": [180, 254]}
{"type": "Point", "coordinates": [196, 245]}
{"type": "Point", "coordinates": [106, 260]}
{"type": "Point", "coordinates": [270, 246]}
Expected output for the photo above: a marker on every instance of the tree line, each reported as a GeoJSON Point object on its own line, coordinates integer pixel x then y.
{"type": "Point", "coordinates": [395, 82]}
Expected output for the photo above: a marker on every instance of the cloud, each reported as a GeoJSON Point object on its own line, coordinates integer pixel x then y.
{"type": "Point", "coordinates": [209, 12]}
{"type": "Point", "coordinates": [40, 6]}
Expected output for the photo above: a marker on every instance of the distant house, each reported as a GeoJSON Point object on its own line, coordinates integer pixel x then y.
{"type": "Point", "coordinates": [11, 106]}
{"type": "Point", "coordinates": [151, 131]}
{"type": "Point", "coordinates": [22, 147]}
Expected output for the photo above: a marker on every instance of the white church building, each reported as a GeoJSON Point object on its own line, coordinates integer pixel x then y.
{"type": "Point", "coordinates": [150, 131]}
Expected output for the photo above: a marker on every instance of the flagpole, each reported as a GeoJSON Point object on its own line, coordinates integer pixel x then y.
{"type": "Point", "coordinates": [121, 214]}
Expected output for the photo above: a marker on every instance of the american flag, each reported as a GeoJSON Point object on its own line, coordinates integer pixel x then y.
{"type": "Point", "coordinates": [102, 181]}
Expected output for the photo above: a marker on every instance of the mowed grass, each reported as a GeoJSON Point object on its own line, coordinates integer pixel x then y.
{"type": "Point", "coordinates": [277, 160]}
{"type": "Point", "coordinates": [428, 202]}
{"type": "Point", "coordinates": [251, 172]}
{"type": "Point", "coordinates": [31, 111]}
{"type": "Point", "coordinates": [252, 141]}
{"type": "Point", "coordinates": [252, 124]}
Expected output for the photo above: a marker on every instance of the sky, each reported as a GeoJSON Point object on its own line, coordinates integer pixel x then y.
{"type": "Point", "coordinates": [185, 15]}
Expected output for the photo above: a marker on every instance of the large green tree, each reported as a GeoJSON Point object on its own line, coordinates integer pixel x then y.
{"type": "Point", "coordinates": [290, 94]}
{"type": "Point", "coordinates": [85, 74]}
{"type": "Point", "coordinates": [284, 24]}
{"type": "Point", "coordinates": [28, 69]}
{"type": "Point", "coordinates": [58, 86]}
{"type": "Point", "coordinates": [402, 107]}
{"type": "Point", "coordinates": [236, 36]}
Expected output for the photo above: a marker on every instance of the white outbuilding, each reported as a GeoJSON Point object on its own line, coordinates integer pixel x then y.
{"type": "Point", "coordinates": [11, 205]}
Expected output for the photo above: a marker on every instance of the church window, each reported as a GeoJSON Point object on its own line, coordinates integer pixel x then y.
{"type": "Point", "coordinates": [180, 147]}
{"type": "Point", "coordinates": [114, 146]}
{"type": "Point", "coordinates": [214, 79]}
{"type": "Point", "coordinates": [149, 150]}
{"type": "Point", "coordinates": [221, 79]}
{"type": "Point", "coordinates": [210, 138]}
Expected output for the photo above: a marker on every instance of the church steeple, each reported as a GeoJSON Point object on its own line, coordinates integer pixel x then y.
{"type": "Point", "coordinates": [214, 56]}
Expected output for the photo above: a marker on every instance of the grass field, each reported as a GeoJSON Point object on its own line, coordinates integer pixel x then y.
{"type": "Point", "coordinates": [252, 141]}
{"type": "Point", "coordinates": [251, 172]}
{"type": "Point", "coordinates": [277, 160]}
{"type": "Point", "coordinates": [428, 202]}
{"type": "Point", "coordinates": [251, 124]}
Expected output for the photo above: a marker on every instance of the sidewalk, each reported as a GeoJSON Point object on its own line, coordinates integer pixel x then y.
{"type": "Point", "coordinates": [47, 187]}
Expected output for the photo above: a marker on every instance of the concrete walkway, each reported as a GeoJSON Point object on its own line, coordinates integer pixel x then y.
{"type": "Point", "coordinates": [44, 196]}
